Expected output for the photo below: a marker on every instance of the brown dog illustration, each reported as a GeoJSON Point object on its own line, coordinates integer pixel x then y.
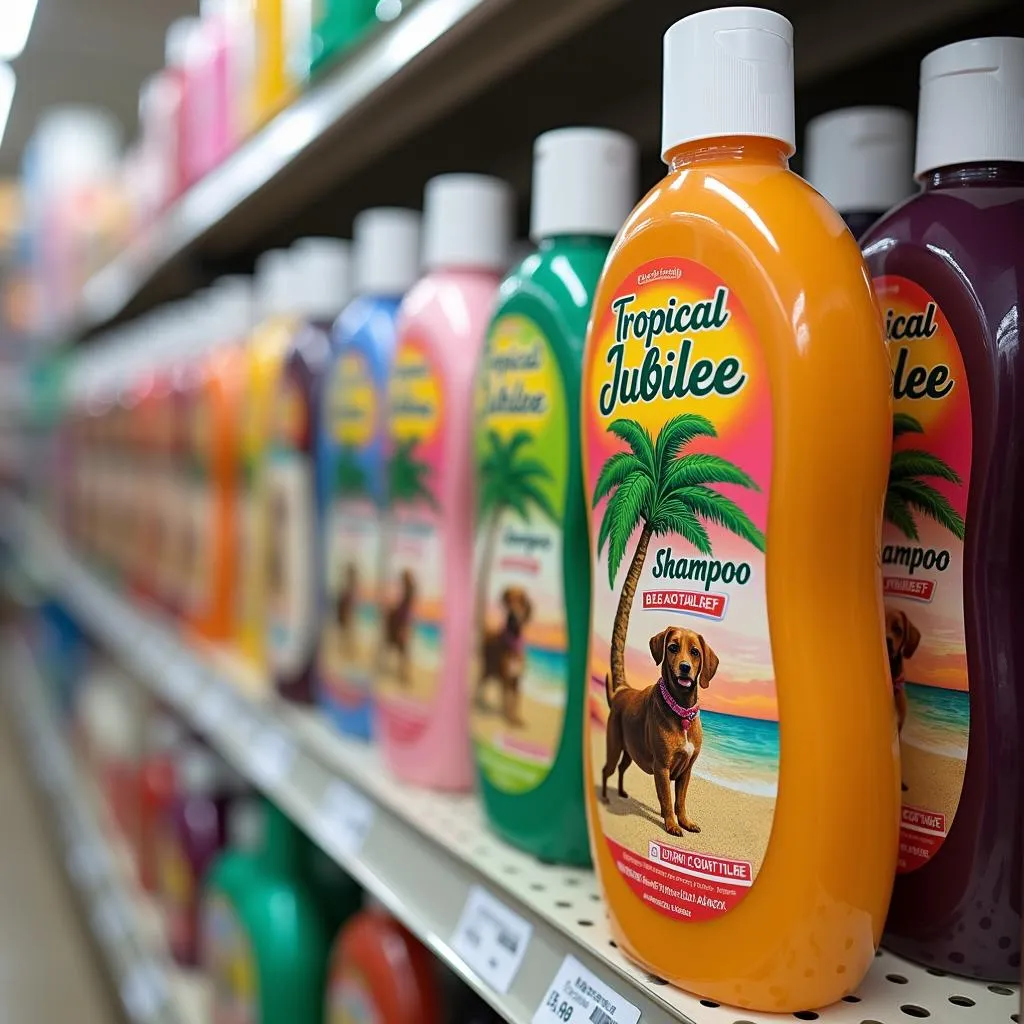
{"type": "Point", "coordinates": [345, 607]}
{"type": "Point", "coordinates": [901, 640]}
{"type": "Point", "coordinates": [504, 654]}
{"type": "Point", "coordinates": [659, 728]}
{"type": "Point", "coordinates": [398, 624]}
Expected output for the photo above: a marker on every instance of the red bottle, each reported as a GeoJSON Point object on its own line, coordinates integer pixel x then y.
{"type": "Point", "coordinates": [157, 790]}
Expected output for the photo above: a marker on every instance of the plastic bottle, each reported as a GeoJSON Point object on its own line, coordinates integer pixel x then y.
{"type": "Point", "coordinates": [174, 104]}
{"type": "Point", "coordinates": [264, 358]}
{"type": "Point", "coordinates": [320, 288]}
{"type": "Point", "coordinates": [861, 160]}
{"type": "Point", "coordinates": [735, 460]}
{"type": "Point", "coordinates": [533, 574]}
{"type": "Point", "coordinates": [157, 790]}
{"type": "Point", "coordinates": [264, 945]}
{"type": "Point", "coordinates": [191, 835]}
{"type": "Point", "coordinates": [208, 128]}
{"type": "Point", "coordinates": [214, 418]}
{"type": "Point", "coordinates": [352, 469]}
{"type": "Point", "coordinates": [378, 972]}
{"type": "Point", "coordinates": [272, 87]}
{"type": "Point", "coordinates": [338, 25]}
{"type": "Point", "coordinates": [948, 267]}
{"type": "Point", "coordinates": [427, 631]}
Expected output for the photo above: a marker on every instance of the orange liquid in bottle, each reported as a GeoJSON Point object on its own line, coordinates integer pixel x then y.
{"type": "Point", "coordinates": [736, 431]}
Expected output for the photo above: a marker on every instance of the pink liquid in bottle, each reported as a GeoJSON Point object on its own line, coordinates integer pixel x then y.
{"type": "Point", "coordinates": [427, 613]}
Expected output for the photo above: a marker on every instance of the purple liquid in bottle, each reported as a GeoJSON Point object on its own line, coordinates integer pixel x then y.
{"type": "Point", "coordinates": [957, 250]}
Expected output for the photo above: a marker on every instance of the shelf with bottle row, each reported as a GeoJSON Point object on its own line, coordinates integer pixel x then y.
{"type": "Point", "coordinates": [519, 932]}
{"type": "Point", "coordinates": [126, 924]}
{"type": "Point", "coordinates": [478, 80]}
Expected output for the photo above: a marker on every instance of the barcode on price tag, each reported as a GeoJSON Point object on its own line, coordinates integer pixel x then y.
{"type": "Point", "coordinates": [491, 939]}
{"type": "Point", "coordinates": [580, 997]}
{"type": "Point", "coordinates": [348, 817]}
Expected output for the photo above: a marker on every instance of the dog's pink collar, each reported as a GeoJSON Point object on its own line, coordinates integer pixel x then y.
{"type": "Point", "coordinates": [899, 682]}
{"type": "Point", "coordinates": [514, 642]}
{"type": "Point", "coordinates": [686, 714]}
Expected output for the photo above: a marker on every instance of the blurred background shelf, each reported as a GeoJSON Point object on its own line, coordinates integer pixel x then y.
{"type": "Point", "coordinates": [460, 84]}
{"type": "Point", "coordinates": [424, 855]}
{"type": "Point", "coordinates": [127, 926]}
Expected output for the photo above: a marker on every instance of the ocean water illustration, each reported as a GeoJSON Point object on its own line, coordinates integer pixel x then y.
{"type": "Point", "coordinates": [938, 720]}
{"type": "Point", "coordinates": [741, 754]}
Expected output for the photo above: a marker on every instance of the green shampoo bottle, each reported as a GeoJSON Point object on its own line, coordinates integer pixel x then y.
{"type": "Point", "coordinates": [264, 939]}
{"type": "Point", "coordinates": [532, 594]}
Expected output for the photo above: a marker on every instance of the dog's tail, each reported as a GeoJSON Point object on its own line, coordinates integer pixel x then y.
{"type": "Point", "coordinates": [609, 690]}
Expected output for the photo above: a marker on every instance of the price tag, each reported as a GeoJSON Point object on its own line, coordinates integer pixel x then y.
{"type": "Point", "coordinates": [491, 939]}
{"type": "Point", "coordinates": [348, 816]}
{"type": "Point", "coordinates": [271, 756]}
{"type": "Point", "coordinates": [579, 996]}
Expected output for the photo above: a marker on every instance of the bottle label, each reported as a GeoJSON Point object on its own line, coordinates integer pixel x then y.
{"type": "Point", "coordinates": [519, 678]}
{"type": "Point", "coordinates": [350, 1000]}
{"type": "Point", "coordinates": [923, 562]}
{"type": "Point", "coordinates": [177, 886]}
{"type": "Point", "coordinates": [229, 964]}
{"type": "Point", "coordinates": [350, 640]}
{"type": "Point", "coordinates": [291, 531]}
{"type": "Point", "coordinates": [412, 639]}
{"type": "Point", "coordinates": [682, 712]}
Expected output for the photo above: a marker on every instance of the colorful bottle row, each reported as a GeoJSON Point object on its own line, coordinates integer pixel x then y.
{"type": "Point", "coordinates": [613, 518]}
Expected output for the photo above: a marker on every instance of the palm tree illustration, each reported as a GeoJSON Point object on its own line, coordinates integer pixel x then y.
{"type": "Point", "coordinates": [908, 492]}
{"type": "Point", "coordinates": [655, 487]}
{"type": "Point", "coordinates": [406, 476]}
{"type": "Point", "coordinates": [509, 481]}
{"type": "Point", "coordinates": [350, 477]}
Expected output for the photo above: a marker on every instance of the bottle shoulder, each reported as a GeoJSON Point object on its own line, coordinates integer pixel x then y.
{"type": "Point", "coordinates": [447, 307]}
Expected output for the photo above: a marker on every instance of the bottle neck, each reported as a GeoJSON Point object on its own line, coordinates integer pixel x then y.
{"type": "Point", "coordinates": [975, 175]}
{"type": "Point", "coordinates": [282, 841]}
{"type": "Point", "coordinates": [578, 241]}
{"type": "Point", "coordinates": [730, 149]}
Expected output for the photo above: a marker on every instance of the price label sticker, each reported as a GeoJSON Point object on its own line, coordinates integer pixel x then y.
{"type": "Point", "coordinates": [348, 816]}
{"type": "Point", "coordinates": [580, 997]}
{"type": "Point", "coordinates": [491, 939]}
{"type": "Point", "coordinates": [271, 756]}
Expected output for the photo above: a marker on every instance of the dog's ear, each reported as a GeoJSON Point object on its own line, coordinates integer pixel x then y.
{"type": "Point", "coordinates": [658, 646]}
{"type": "Point", "coordinates": [708, 663]}
{"type": "Point", "coordinates": [911, 637]}
{"type": "Point", "coordinates": [506, 597]}
{"type": "Point", "coordinates": [529, 605]}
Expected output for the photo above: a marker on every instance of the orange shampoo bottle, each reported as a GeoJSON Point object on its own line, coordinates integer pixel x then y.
{"type": "Point", "coordinates": [743, 792]}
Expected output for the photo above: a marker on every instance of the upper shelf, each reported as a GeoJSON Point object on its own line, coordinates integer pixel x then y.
{"type": "Point", "coordinates": [467, 85]}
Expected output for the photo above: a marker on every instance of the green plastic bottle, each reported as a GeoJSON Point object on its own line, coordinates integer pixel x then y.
{"type": "Point", "coordinates": [264, 939]}
{"type": "Point", "coordinates": [533, 567]}
{"type": "Point", "coordinates": [338, 25]}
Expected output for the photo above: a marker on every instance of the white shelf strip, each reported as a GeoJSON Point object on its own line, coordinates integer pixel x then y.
{"type": "Point", "coordinates": [425, 854]}
{"type": "Point", "coordinates": [127, 927]}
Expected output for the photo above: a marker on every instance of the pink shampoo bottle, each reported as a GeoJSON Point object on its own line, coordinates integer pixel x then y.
{"type": "Point", "coordinates": [427, 613]}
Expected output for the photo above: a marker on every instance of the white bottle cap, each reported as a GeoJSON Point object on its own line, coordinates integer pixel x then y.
{"type": "Point", "coordinates": [274, 283]}
{"type": "Point", "coordinates": [585, 182]}
{"type": "Point", "coordinates": [467, 222]}
{"type": "Point", "coordinates": [971, 108]}
{"type": "Point", "coordinates": [197, 771]}
{"type": "Point", "coordinates": [728, 72]}
{"type": "Point", "coordinates": [860, 159]}
{"type": "Point", "coordinates": [321, 271]}
{"type": "Point", "coordinates": [234, 296]}
{"type": "Point", "coordinates": [178, 41]}
{"type": "Point", "coordinates": [387, 245]}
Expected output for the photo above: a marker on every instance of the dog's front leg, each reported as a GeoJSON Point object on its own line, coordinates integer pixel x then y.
{"type": "Point", "coordinates": [664, 786]}
{"type": "Point", "coordinates": [682, 784]}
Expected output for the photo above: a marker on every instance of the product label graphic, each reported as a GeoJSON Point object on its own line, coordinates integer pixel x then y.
{"type": "Point", "coordinates": [228, 961]}
{"type": "Point", "coordinates": [350, 640]}
{"type": "Point", "coordinates": [923, 560]}
{"type": "Point", "coordinates": [291, 532]}
{"type": "Point", "coordinates": [682, 709]}
{"type": "Point", "coordinates": [350, 1001]}
{"type": "Point", "coordinates": [177, 887]}
{"type": "Point", "coordinates": [520, 669]}
{"type": "Point", "coordinates": [412, 612]}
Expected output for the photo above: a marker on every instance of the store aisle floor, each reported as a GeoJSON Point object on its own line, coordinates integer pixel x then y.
{"type": "Point", "coordinates": [48, 972]}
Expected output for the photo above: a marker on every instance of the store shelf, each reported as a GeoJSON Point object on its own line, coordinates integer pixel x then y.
{"type": "Point", "coordinates": [127, 926]}
{"type": "Point", "coordinates": [467, 85]}
{"type": "Point", "coordinates": [424, 854]}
